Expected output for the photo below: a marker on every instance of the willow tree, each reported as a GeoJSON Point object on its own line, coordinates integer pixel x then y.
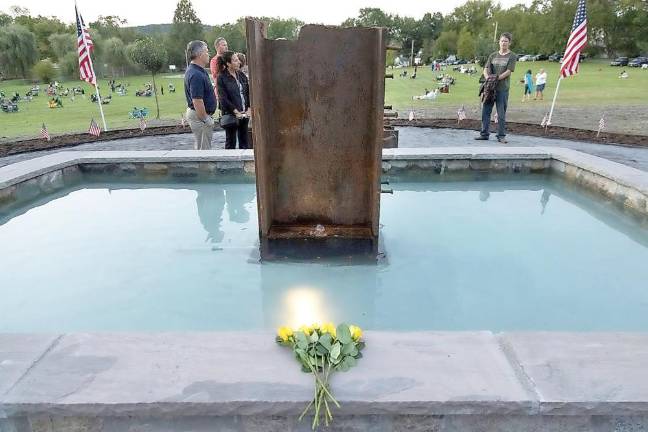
{"type": "Point", "coordinates": [153, 57]}
{"type": "Point", "coordinates": [18, 51]}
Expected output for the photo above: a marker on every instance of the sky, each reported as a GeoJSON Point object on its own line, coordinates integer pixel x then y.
{"type": "Point", "coordinates": [141, 12]}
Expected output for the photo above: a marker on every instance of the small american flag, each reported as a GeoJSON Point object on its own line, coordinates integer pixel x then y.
{"type": "Point", "coordinates": [496, 119]}
{"type": "Point", "coordinates": [601, 127]}
{"type": "Point", "coordinates": [183, 121]}
{"type": "Point", "coordinates": [411, 115]}
{"type": "Point", "coordinates": [545, 120]}
{"type": "Point", "coordinates": [461, 114]}
{"type": "Point", "coordinates": [44, 133]}
{"type": "Point", "coordinates": [142, 124]}
{"type": "Point", "coordinates": [576, 42]}
{"type": "Point", "coordinates": [85, 46]}
{"type": "Point", "coordinates": [94, 128]}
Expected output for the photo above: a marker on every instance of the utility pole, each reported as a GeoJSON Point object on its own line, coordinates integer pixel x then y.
{"type": "Point", "coordinates": [412, 54]}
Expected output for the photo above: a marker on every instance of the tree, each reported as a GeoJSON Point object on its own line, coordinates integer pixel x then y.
{"type": "Point", "coordinates": [186, 27]}
{"type": "Point", "coordinates": [69, 65]}
{"type": "Point", "coordinates": [5, 19]}
{"type": "Point", "coordinates": [234, 33]}
{"type": "Point", "coordinates": [115, 55]}
{"type": "Point", "coordinates": [466, 45]}
{"type": "Point", "coordinates": [44, 70]}
{"type": "Point", "coordinates": [446, 44]}
{"type": "Point", "coordinates": [153, 57]}
{"type": "Point", "coordinates": [62, 44]}
{"type": "Point", "coordinates": [18, 51]}
{"type": "Point", "coordinates": [283, 28]}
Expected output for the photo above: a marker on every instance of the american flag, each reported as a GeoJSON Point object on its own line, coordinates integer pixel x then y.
{"type": "Point", "coordinates": [44, 133]}
{"type": "Point", "coordinates": [576, 42]}
{"type": "Point", "coordinates": [94, 128]}
{"type": "Point", "coordinates": [411, 115]}
{"type": "Point", "coordinates": [496, 119]}
{"type": "Point", "coordinates": [461, 114]}
{"type": "Point", "coordinates": [85, 48]}
{"type": "Point", "coordinates": [142, 124]}
{"type": "Point", "coordinates": [183, 121]}
{"type": "Point", "coordinates": [601, 127]}
{"type": "Point", "coordinates": [545, 121]}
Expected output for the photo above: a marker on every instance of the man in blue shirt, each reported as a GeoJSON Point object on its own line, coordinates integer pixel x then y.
{"type": "Point", "coordinates": [201, 100]}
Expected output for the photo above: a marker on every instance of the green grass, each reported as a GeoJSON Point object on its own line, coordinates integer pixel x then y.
{"type": "Point", "coordinates": [596, 85]}
{"type": "Point", "coordinates": [75, 115]}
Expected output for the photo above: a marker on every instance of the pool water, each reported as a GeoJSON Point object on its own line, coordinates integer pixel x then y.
{"type": "Point", "coordinates": [514, 254]}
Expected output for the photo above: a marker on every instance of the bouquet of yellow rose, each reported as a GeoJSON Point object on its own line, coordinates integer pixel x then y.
{"type": "Point", "coordinates": [321, 350]}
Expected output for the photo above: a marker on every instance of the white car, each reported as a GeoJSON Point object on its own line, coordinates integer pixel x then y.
{"type": "Point", "coordinates": [644, 66]}
{"type": "Point", "coordinates": [526, 58]}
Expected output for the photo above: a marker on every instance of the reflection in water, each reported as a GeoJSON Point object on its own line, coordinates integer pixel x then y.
{"type": "Point", "coordinates": [210, 202]}
{"type": "Point", "coordinates": [304, 305]}
{"type": "Point", "coordinates": [236, 201]}
{"type": "Point", "coordinates": [544, 199]}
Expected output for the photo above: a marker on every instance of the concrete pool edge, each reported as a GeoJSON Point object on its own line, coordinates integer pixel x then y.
{"type": "Point", "coordinates": [164, 375]}
{"type": "Point", "coordinates": [578, 376]}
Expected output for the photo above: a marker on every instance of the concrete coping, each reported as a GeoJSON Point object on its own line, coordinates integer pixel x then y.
{"type": "Point", "coordinates": [247, 373]}
{"type": "Point", "coordinates": [622, 174]}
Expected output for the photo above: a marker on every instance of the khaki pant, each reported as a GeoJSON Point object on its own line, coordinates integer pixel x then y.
{"type": "Point", "coordinates": [202, 131]}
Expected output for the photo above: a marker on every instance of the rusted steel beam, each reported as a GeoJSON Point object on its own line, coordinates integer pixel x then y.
{"type": "Point", "coordinates": [318, 131]}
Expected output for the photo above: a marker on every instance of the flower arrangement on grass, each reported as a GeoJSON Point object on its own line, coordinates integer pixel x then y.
{"type": "Point", "coordinates": [321, 350]}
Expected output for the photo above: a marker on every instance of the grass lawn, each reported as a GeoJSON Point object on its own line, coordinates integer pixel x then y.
{"type": "Point", "coordinates": [597, 86]}
{"type": "Point", "coordinates": [76, 114]}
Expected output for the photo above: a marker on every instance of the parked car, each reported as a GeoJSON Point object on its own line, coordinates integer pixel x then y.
{"type": "Point", "coordinates": [526, 58]}
{"type": "Point", "coordinates": [619, 61]}
{"type": "Point", "coordinates": [555, 57]}
{"type": "Point", "coordinates": [638, 62]}
{"type": "Point", "coordinates": [541, 57]}
{"type": "Point", "coordinates": [519, 56]}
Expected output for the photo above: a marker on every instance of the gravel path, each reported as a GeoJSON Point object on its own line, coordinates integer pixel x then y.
{"type": "Point", "coordinates": [409, 137]}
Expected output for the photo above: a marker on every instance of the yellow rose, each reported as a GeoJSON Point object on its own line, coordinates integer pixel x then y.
{"type": "Point", "coordinates": [306, 329]}
{"type": "Point", "coordinates": [356, 332]}
{"type": "Point", "coordinates": [329, 328]}
{"type": "Point", "coordinates": [284, 333]}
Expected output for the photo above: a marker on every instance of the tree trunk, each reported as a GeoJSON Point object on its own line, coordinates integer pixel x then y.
{"type": "Point", "coordinates": [157, 104]}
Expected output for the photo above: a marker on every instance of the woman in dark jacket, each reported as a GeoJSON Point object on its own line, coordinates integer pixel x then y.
{"type": "Point", "coordinates": [234, 100]}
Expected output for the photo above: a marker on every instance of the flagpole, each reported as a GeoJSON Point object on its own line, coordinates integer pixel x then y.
{"type": "Point", "coordinates": [103, 118]}
{"type": "Point", "coordinates": [96, 87]}
{"type": "Point", "coordinates": [554, 100]}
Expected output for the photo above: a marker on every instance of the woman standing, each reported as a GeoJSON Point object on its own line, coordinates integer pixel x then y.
{"type": "Point", "coordinates": [528, 85]}
{"type": "Point", "coordinates": [234, 100]}
{"type": "Point", "coordinates": [541, 80]}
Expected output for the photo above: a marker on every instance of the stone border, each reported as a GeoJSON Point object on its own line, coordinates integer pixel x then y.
{"type": "Point", "coordinates": [510, 380]}
{"type": "Point", "coordinates": [624, 185]}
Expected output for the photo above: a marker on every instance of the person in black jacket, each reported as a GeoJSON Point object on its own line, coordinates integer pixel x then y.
{"type": "Point", "coordinates": [234, 100]}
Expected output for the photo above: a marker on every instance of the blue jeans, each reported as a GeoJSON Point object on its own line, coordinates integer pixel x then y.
{"type": "Point", "coordinates": [501, 101]}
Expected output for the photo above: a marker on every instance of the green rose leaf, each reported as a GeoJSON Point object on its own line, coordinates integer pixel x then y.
{"type": "Point", "coordinates": [347, 348]}
{"type": "Point", "coordinates": [347, 363]}
{"type": "Point", "coordinates": [302, 340]}
{"type": "Point", "coordinates": [361, 346]}
{"type": "Point", "coordinates": [326, 340]}
{"type": "Point", "coordinates": [344, 334]}
{"type": "Point", "coordinates": [313, 337]}
{"type": "Point", "coordinates": [322, 350]}
{"type": "Point", "coordinates": [335, 351]}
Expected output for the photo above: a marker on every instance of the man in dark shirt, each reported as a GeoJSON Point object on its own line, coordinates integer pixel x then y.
{"type": "Point", "coordinates": [201, 100]}
{"type": "Point", "coordinates": [500, 63]}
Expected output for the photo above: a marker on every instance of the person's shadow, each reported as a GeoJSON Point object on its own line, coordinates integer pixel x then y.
{"type": "Point", "coordinates": [211, 203]}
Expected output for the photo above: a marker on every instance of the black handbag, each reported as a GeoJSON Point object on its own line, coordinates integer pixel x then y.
{"type": "Point", "coordinates": [228, 120]}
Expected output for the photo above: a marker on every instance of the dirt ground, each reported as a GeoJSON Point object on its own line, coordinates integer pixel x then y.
{"type": "Point", "coordinates": [625, 120]}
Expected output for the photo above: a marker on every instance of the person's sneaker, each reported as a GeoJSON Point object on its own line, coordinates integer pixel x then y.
{"type": "Point", "coordinates": [481, 138]}
{"type": "Point", "coordinates": [502, 140]}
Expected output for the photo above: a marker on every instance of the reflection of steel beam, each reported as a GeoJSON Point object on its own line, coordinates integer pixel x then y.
{"type": "Point", "coordinates": [318, 131]}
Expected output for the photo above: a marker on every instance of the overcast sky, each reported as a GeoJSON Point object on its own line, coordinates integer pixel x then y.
{"type": "Point", "coordinates": [140, 12]}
